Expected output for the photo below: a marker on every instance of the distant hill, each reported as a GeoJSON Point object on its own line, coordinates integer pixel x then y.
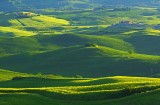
{"type": "Point", "coordinates": [70, 4]}
{"type": "Point", "coordinates": [127, 2]}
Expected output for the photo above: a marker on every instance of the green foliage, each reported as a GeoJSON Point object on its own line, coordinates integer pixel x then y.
{"type": "Point", "coordinates": [78, 76]}
{"type": "Point", "coordinates": [131, 51]}
{"type": "Point", "coordinates": [91, 45]}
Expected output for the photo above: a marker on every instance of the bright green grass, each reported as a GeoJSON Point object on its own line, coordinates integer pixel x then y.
{"type": "Point", "coordinates": [153, 32]}
{"type": "Point", "coordinates": [42, 24]}
{"type": "Point", "coordinates": [8, 31]}
{"type": "Point", "coordinates": [8, 75]}
{"type": "Point", "coordinates": [48, 90]}
{"type": "Point", "coordinates": [35, 99]}
{"type": "Point", "coordinates": [39, 21]}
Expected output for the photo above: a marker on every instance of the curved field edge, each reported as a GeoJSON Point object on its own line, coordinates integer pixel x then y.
{"type": "Point", "coordinates": [51, 89]}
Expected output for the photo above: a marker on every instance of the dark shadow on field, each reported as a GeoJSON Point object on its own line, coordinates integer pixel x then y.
{"type": "Point", "coordinates": [146, 44]}
{"type": "Point", "coordinates": [4, 17]}
{"type": "Point", "coordinates": [8, 34]}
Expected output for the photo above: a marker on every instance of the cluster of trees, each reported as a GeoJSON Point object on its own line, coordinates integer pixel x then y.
{"type": "Point", "coordinates": [26, 14]}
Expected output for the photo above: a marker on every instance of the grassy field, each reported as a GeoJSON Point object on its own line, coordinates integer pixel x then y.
{"type": "Point", "coordinates": [85, 61]}
{"type": "Point", "coordinates": [39, 21]}
{"type": "Point", "coordinates": [79, 56]}
{"type": "Point", "coordinates": [8, 31]}
{"type": "Point", "coordinates": [54, 41]}
{"type": "Point", "coordinates": [51, 89]}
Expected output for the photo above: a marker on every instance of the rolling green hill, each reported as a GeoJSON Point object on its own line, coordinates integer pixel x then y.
{"type": "Point", "coordinates": [29, 89]}
{"type": "Point", "coordinates": [19, 45]}
{"type": "Point", "coordinates": [86, 61]}
{"type": "Point", "coordinates": [51, 44]}
{"type": "Point", "coordinates": [67, 40]}
{"type": "Point", "coordinates": [79, 52]}
{"type": "Point", "coordinates": [14, 45]}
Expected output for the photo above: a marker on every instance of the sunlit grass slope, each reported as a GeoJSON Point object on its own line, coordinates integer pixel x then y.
{"type": "Point", "coordinates": [12, 19]}
{"type": "Point", "coordinates": [8, 75]}
{"type": "Point", "coordinates": [47, 89]}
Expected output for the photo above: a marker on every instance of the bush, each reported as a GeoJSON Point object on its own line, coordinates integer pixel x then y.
{"type": "Point", "coordinates": [91, 45]}
{"type": "Point", "coordinates": [131, 51]}
{"type": "Point", "coordinates": [78, 76]}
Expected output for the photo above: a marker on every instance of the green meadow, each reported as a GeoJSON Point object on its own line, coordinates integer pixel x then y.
{"type": "Point", "coordinates": [79, 53]}
{"type": "Point", "coordinates": [26, 89]}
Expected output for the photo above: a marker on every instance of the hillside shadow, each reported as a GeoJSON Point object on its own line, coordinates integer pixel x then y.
{"type": "Point", "coordinates": [8, 34]}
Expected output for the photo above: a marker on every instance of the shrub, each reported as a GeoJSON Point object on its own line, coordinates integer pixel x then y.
{"type": "Point", "coordinates": [91, 45]}
{"type": "Point", "coordinates": [78, 76]}
{"type": "Point", "coordinates": [131, 51]}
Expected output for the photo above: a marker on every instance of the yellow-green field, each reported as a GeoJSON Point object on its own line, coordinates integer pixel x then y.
{"type": "Point", "coordinates": [77, 91]}
{"type": "Point", "coordinates": [39, 21]}
{"type": "Point", "coordinates": [9, 31]}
